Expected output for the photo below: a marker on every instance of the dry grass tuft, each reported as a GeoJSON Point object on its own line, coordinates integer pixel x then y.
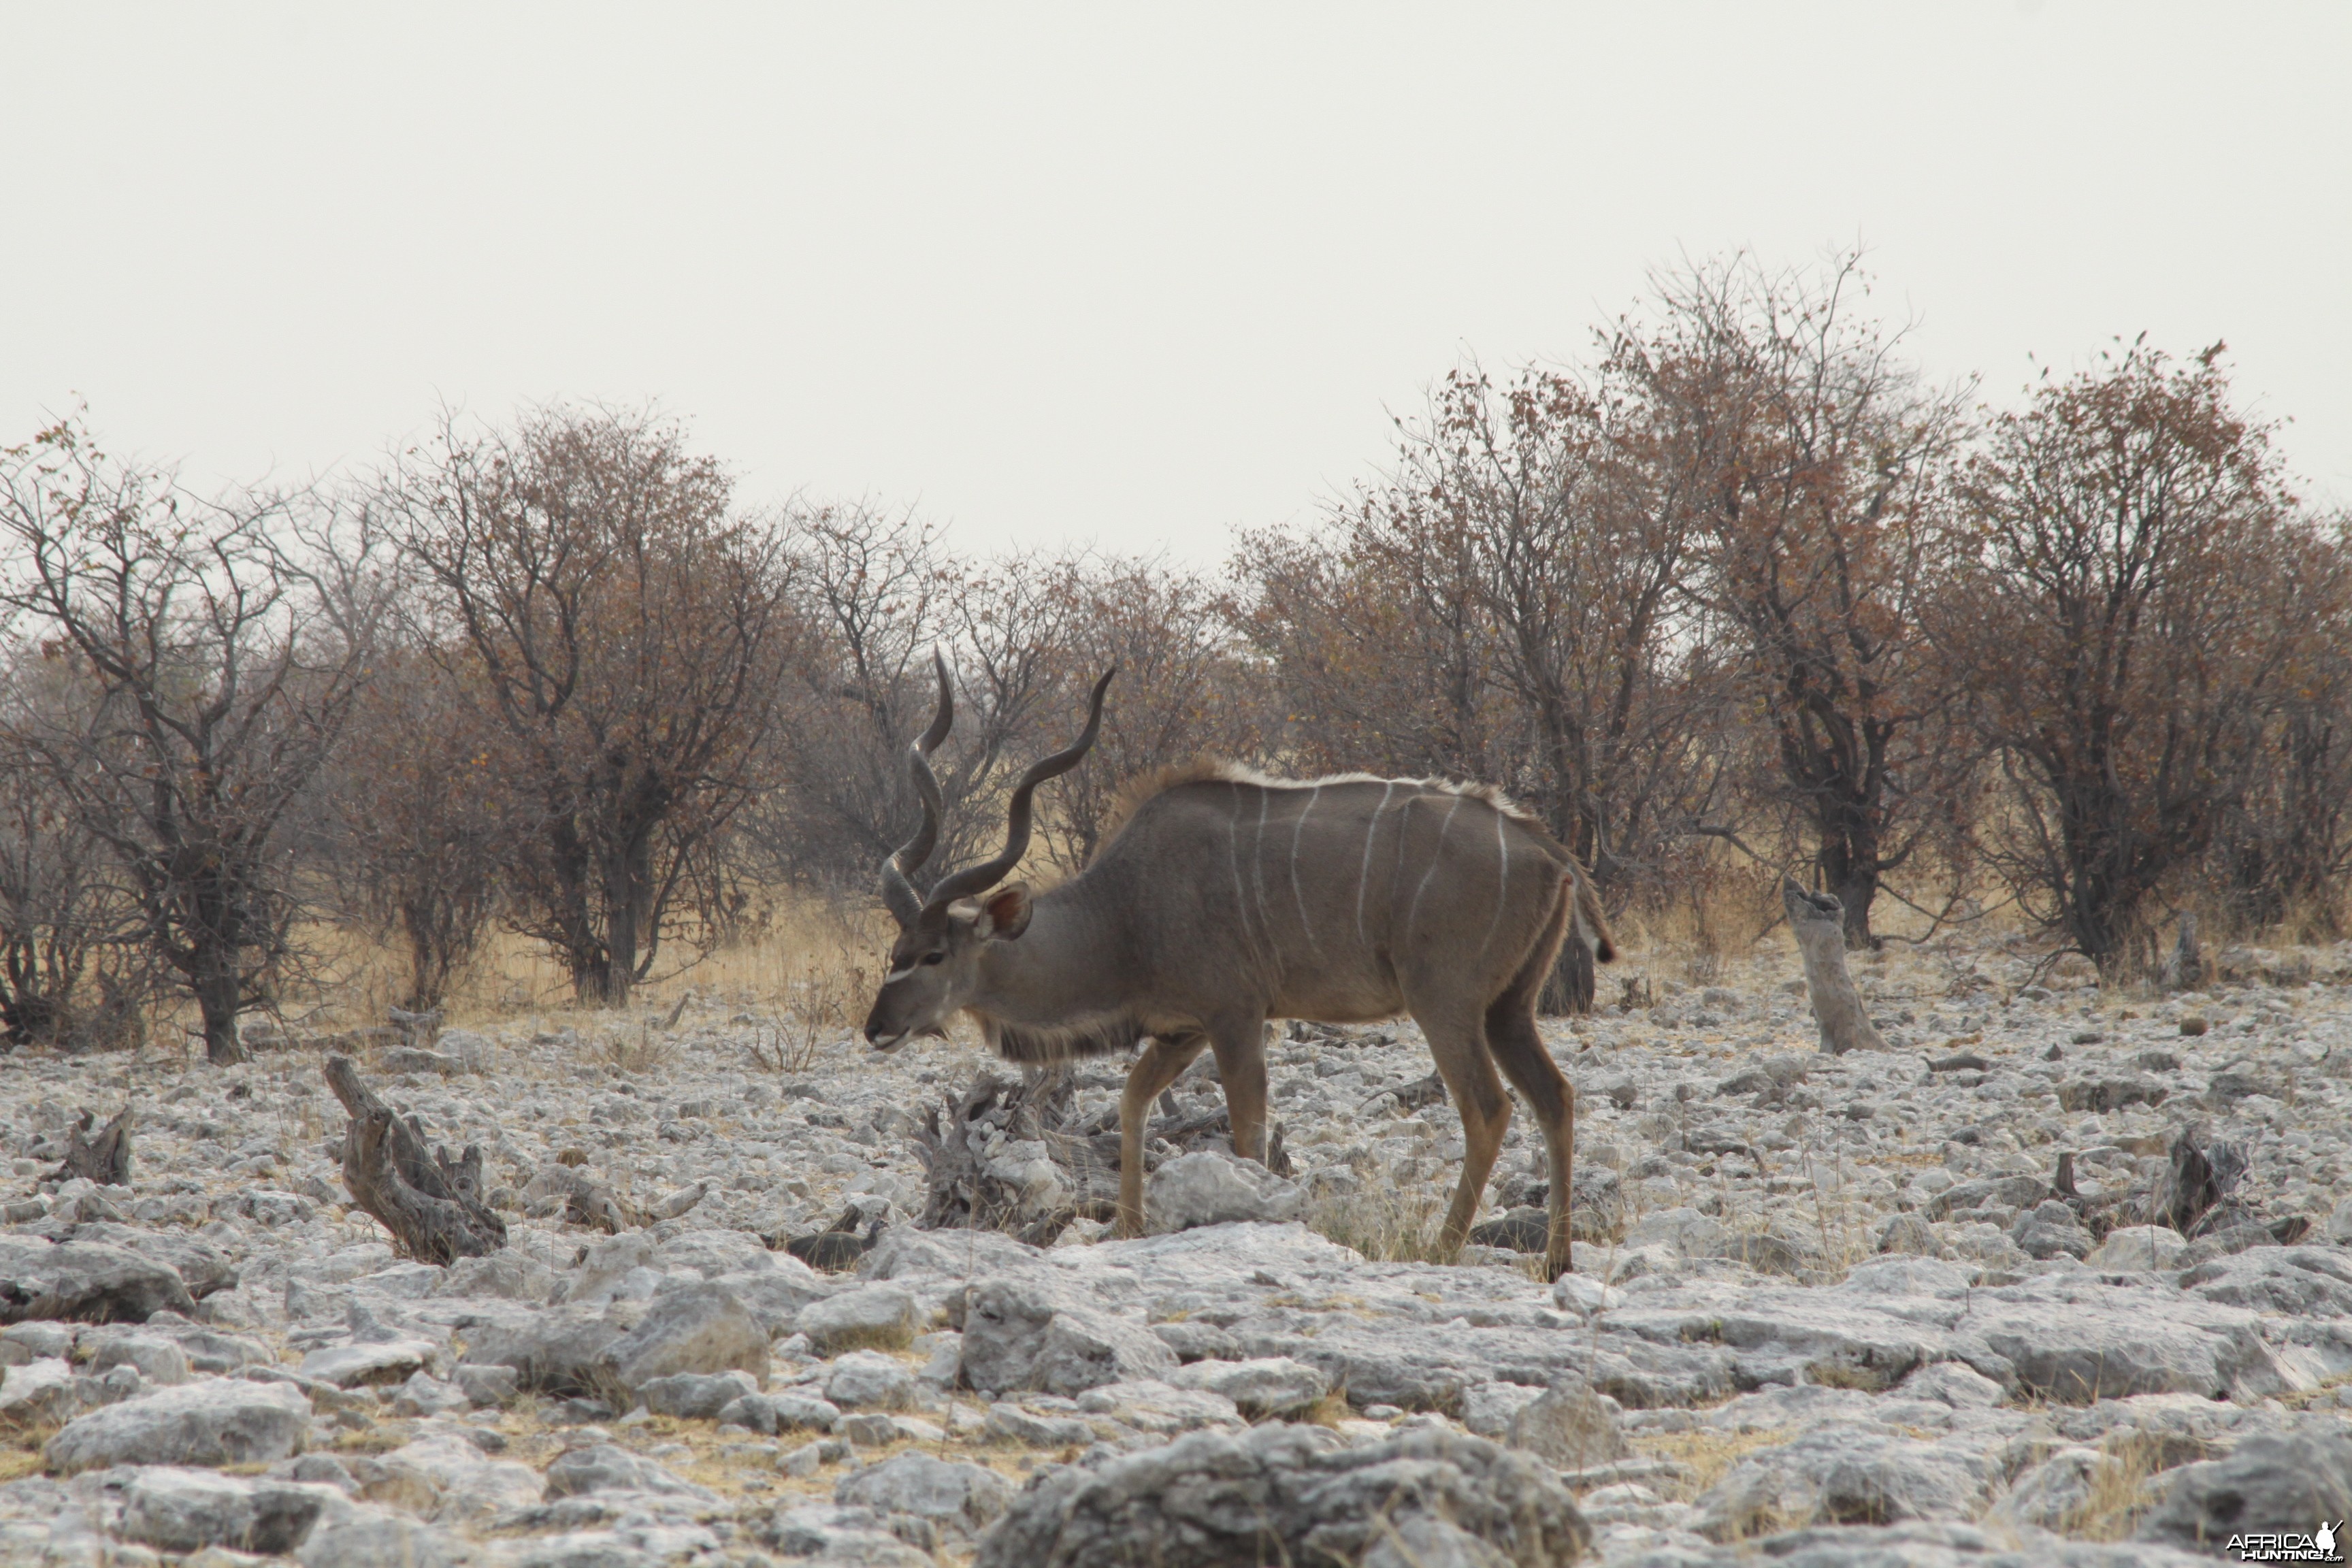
{"type": "Point", "coordinates": [2120, 1489]}
{"type": "Point", "coordinates": [1328, 1411]}
{"type": "Point", "coordinates": [1704, 1456]}
{"type": "Point", "coordinates": [1386, 1224]}
{"type": "Point", "coordinates": [20, 1450]}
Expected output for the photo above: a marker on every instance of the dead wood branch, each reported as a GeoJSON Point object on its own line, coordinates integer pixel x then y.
{"type": "Point", "coordinates": [431, 1205]}
{"type": "Point", "coordinates": [968, 1186]}
{"type": "Point", "coordinates": [105, 1159]}
{"type": "Point", "coordinates": [590, 1203]}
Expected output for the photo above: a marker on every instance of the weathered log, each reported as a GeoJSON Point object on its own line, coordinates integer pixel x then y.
{"type": "Point", "coordinates": [836, 1248]}
{"type": "Point", "coordinates": [2201, 1191]}
{"type": "Point", "coordinates": [1818, 922]}
{"type": "Point", "coordinates": [962, 1189]}
{"type": "Point", "coordinates": [590, 1203]}
{"type": "Point", "coordinates": [433, 1206]}
{"type": "Point", "coordinates": [105, 1159]}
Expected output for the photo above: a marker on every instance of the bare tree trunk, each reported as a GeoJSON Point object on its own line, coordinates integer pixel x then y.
{"type": "Point", "coordinates": [431, 1206]}
{"type": "Point", "coordinates": [105, 1159]}
{"type": "Point", "coordinates": [1850, 868]}
{"type": "Point", "coordinates": [1818, 922]}
{"type": "Point", "coordinates": [218, 993]}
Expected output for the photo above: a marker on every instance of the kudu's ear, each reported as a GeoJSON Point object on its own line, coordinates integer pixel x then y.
{"type": "Point", "coordinates": [1006, 912]}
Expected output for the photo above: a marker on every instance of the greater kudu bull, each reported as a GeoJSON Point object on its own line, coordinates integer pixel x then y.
{"type": "Point", "coordinates": [1222, 898]}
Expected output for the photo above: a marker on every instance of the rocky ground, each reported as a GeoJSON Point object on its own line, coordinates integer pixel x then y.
{"type": "Point", "coordinates": [1829, 1309]}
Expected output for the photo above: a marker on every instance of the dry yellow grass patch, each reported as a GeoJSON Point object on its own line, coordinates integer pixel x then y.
{"type": "Point", "coordinates": [1704, 1455]}
{"type": "Point", "coordinates": [2119, 1488]}
{"type": "Point", "coordinates": [1386, 1224]}
{"type": "Point", "coordinates": [22, 1456]}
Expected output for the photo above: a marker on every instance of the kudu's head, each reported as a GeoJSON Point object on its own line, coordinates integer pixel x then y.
{"type": "Point", "coordinates": [935, 962]}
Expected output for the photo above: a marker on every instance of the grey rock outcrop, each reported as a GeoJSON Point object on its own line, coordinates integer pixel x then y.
{"type": "Point", "coordinates": [960, 1499]}
{"type": "Point", "coordinates": [1017, 1337]}
{"type": "Point", "coordinates": [700, 1328]}
{"type": "Point", "coordinates": [86, 1281]}
{"type": "Point", "coordinates": [2289, 1482]}
{"type": "Point", "coordinates": [178, 1509]}
{"type": "Point", "coordinates": [216, 1422]}
{"type": "Point", "coordinates": [1209, 1187]}
{"type": "Point", "coordinates": [1293, 1494]}
{"type": "Point", "coordinates": [869, 1317]}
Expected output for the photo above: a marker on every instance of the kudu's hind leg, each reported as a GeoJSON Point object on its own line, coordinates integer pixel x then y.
{"type": "Point", "coordinates": [1154, 1070]}
{"type": "Point", "coordinates": [1519, 1051]}
{"type": "Point", "coordinates": [1551, 1100]}
{"type": "Point", "coordinates": [1458, 1045]}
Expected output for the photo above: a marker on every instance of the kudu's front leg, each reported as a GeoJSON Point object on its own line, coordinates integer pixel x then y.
{"type": "Point", "coordinates": [1146, 1080]}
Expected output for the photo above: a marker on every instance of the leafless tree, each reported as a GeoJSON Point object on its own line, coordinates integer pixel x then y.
{"type": "Point", "coordinates": [879, 594]}
{"type": "Point", "coordinates": [1817, 473]}
{"type": "Point", "coordinates": [422, 822]}
{"type": "Point", "coordinates": [2283, 847]}
{"type": "Point", "coordinates": [67, 925]}
{"type": "Point", "coordinates": [1187, 687]}
{"type": "Point", "coordinates": [621, 639]}
{"type": "Point", "coordinates": [2116, 655]}
{"type": "Point", "coordinates": [1506, 604]}
{"type": "Point", "coordinates": [222, 652]}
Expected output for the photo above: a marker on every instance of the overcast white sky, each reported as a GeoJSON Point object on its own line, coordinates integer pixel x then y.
{"type": "Point", "coordinates": [1103, 272]}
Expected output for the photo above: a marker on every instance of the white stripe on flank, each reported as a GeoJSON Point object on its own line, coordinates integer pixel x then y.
{"type": "Point", "coordinates": [1233, 849]}
{"type": "Point", "coordinates": [1435, 855]}
{"type": "Point", "coordinates": [1298, 894]}
{"type": "Point", "coordinates": [1257, 864]}
{"type": "Point", "coordinates": [1364, 872]}
{"type": "Point", "coordinates": [1502, 883]}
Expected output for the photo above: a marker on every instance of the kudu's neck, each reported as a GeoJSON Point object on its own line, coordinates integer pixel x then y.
{"type": "Point", "coordinates": [1064, 967]}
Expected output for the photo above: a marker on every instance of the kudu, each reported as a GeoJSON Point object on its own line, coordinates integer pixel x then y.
{"type": "Point", "coordinates": [1222, 898]}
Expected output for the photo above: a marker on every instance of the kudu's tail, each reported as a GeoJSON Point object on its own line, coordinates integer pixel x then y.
{"type": "Point", "coordinates": [1589, 920]}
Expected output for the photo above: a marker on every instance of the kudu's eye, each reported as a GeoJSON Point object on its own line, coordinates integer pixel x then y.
{"type": "Point", "coordinates": [934, 958]}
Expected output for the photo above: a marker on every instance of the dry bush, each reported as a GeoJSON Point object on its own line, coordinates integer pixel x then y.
{"type": "Point", "coordinates": [1816, 470]}
{"type": "Point", "coordinates": [616, 637]}
{"type": "Point", "coordinates": [2111, 616]}
{"type": "Point", "coordinates": [214, 651]}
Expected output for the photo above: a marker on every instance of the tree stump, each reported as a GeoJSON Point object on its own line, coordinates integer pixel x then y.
{"type": "Point", "coordinates": [431, 1205]}
{"type": "Point", "coordinates": [105, 1159]}
{"type": "Point", "coordinates": [1818, 922]}
{"type": "Point", "coordinates": [2185, 970]}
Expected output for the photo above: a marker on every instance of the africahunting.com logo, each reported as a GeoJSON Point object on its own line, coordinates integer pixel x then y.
{"type": "Point", "coordinates": [2287, 1546]}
